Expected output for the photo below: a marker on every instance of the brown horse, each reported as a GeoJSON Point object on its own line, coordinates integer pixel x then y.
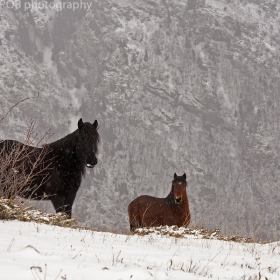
{"type": "Point", "coordinates": [148, 211]}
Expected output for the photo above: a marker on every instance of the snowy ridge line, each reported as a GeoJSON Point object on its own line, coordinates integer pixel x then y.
{"type": "Point", "coordinates": [10, 210]}
{"type": "Point", "coordinates": [181, 232]}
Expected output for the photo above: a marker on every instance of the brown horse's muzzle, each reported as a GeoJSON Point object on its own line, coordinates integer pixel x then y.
{"type": "Point", "coordinates": [178, 200]}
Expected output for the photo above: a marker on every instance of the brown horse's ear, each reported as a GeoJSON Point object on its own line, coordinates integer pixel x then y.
{"type": "Point", "coordinates": [175, 175]}
{"type": "Point", "coordinates": [80, 123]}
{"type": "Point", "coordinates": [184, 176]}
{"type": "Point", "coordinates": [95, 124]}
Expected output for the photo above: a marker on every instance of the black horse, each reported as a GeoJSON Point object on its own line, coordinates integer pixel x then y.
{"type": "Point", "coordinates": [53, 172]}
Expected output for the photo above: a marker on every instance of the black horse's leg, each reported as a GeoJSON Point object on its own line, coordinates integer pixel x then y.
{"type": "Point", "coordinates": [69, 200]}
{"type": "Point", "coordinates": [58, 203]}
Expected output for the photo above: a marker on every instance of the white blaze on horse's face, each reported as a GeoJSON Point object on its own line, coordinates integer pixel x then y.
{"type": "Point", "coordinates": [179, 188]}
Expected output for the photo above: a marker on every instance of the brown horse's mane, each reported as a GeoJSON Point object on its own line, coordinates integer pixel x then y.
{"type": "Point", "coordinates": [170, 199]}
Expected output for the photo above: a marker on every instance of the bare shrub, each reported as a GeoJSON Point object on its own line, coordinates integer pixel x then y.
{"type": "Point", "coordinates": [15, 105]}
{"type": "Point", "coordinates": [22, 163]}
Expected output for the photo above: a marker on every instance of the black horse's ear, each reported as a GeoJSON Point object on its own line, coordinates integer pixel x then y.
{"type": "Point", "coordinates": [175, 175]}
{"type": "Point", "coordinates": [95, 124]}
{"type": "Point", "coordinates": [184, 176]}
{"type": "Point", "coordinates": [80, 123]}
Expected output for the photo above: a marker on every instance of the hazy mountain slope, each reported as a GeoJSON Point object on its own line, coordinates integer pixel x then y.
{"type": "Point", "coordinates": [27, 69]}
{"type": "Point", "coordinates": [183, 87]}
{"type": "Point", "coordinates": [177, 86]}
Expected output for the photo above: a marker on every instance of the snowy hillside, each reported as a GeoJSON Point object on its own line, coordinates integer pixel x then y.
{"type": "Point", "coordinates": [37, 251]}
{"type": "Point", "coordinates": [176, 86]}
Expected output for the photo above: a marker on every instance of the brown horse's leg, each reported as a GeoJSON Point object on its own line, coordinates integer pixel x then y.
{"type": "Point", "coordinates": [133, 222]}
{"type": "Point", "coordinates": [134, 219]}
{"type": "Point", "coordinates": [132, 229]}
{"type": "Point", "coordinates": [136, 223]}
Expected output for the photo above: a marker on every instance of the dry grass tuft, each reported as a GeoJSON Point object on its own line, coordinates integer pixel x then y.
{"type": "Point", "coordinates": [183, 232]}
{"type": "Point", "coordinates": [10, 210]}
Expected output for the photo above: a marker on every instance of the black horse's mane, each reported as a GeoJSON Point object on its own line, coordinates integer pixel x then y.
{"type": "Point", "coordinates": [71, 139]}
{"type": "Point", "coordinates": [66, 141]}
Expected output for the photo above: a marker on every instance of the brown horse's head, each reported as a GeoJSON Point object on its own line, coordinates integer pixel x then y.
{"type": "Point", "coordinates": [179, 185]}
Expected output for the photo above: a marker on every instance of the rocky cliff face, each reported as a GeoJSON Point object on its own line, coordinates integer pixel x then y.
{"type": "Point", "coordinates": [177, 86]}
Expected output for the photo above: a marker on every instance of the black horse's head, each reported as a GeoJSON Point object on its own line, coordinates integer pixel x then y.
{"type": "Point", "coordinates": [87, 146]}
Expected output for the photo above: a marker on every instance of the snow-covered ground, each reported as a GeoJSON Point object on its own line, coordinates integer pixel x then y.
{"type": "Point", "coordinates": [39, 251]}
